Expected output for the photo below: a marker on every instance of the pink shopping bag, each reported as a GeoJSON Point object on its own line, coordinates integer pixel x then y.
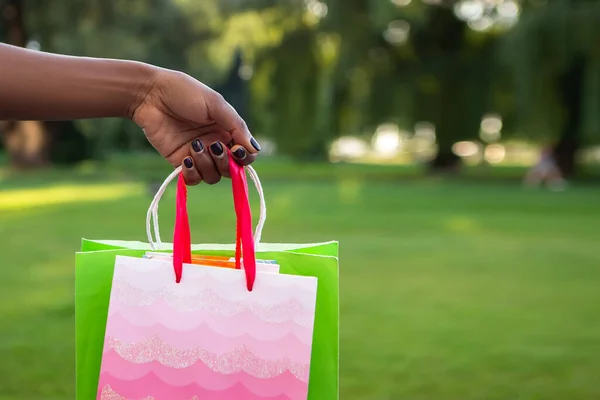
{"type": "Point", "coordinates": [178, 331]}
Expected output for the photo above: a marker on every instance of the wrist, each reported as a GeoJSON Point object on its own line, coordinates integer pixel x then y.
{"type": "Point", "coordinates": [146, 77]}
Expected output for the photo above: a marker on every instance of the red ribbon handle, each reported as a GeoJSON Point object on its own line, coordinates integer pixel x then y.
{"type": "Point", "coordinates": [244, 237]}
{"type": "Point", "coordinates": [182, 241]}
{"type": "Point", "coordinates": [182, 245]}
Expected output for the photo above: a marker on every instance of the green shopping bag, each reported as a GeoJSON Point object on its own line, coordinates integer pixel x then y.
{"type": "Point", "coordinates": [94, 273]}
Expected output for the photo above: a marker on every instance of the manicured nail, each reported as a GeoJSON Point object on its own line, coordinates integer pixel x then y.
{"type": "Point", "coordinates": [255, 144]}
{"type": "Point", "coordinates": [240, 153]}
{"type": "Point", "coordinates": [188, 162]}
{"type": "Point", "coordinates": [216, 148]}
{"type": "Point", "coordinates": [197, 146]}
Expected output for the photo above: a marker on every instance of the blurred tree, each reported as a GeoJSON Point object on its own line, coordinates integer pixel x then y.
{"type": "Point", "coordinates": [234, 89]}
{"type": "Point", "coordinates": [346, 66]}
{"type": "Point", "coordinates": [291, 61]}
{"type": "Point", "coordinates": [313, 84]}
{"type": "Point", "coordinates": [439, 70]}
{"type": "Point", "coordinates": [555, 59]}
{"type": "Point", "coordinates": [294, 97]}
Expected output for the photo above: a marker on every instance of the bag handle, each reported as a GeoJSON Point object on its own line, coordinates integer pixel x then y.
{"type": "Point", "coordinates": [182, 241]}
{"type": "Point", "coordinates": [152, 214]}
{"type": "Point", "coordinates": [182, 248]}
{"type": "Point", "coordinates": [244, 244]}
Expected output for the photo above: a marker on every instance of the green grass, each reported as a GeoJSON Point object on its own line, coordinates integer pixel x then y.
{"type": "Point", "coordinates": [449, 290]}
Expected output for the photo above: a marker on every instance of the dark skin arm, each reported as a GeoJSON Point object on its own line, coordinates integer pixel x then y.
{"type": "Point", "coordinates": [188, 123]}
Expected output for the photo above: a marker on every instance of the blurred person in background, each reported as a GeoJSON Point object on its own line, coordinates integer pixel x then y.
{"type": "Point", "coordinates": [188, 123]}
{"type": "Point", "coordinates": [546, 170]}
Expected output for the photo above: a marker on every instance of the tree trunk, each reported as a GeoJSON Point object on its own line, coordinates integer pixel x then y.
{"type": "Point", "coordinates": [570, 92]}
{"type": "Point", "coordinates": [449, 120]}
{"type": "Point", "coordinates": [234, 89]}
{"type": "Point", "coordinates": [447, 36]}
{"type": "Point", "coordinates": [27, 142]}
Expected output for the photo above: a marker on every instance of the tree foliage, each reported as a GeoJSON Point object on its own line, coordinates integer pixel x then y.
{"type": "Point", "coordinates": [319, 69]}
{"type": "Point", "coordinates": [540, 49]}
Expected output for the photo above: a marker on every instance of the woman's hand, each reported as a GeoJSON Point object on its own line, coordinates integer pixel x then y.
{"type": "Point", "coordinates": [186, 121]}
{"type": "Point", "coordinates": [191, 125]}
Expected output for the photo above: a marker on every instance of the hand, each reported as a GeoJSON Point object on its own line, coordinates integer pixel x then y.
{"type": "Point", "coordinates": [191, 125]}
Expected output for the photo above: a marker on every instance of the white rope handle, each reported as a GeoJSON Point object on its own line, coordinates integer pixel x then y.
{"type": "Point", "coordinates": [152, 215]}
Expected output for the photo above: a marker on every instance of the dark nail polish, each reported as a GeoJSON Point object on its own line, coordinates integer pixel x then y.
{"type": "Point", "coordinates": [188, 162]}
{"type": "Point", "coordinates": [255, 144]}
{"type": "Point", "coordinates": [216, 148]}
{"type": "Point", "coordinates": [240, 153]}
{"type": "Point", "coordinates": [197, 146]}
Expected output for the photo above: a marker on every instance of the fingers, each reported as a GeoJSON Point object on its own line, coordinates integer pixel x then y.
{"type": "Point", "coordinates": [203, 162]}
{"type": "Point", "coordinates": [210, 163]}
{"type": "Point", "coordinates": [225, 115]}
{"type": "Point", "coordinates": [241, 156]}
{"type": "Point", "coordinates": [190, 173]}
{"type": "Point", "coordinates": [220, 159]}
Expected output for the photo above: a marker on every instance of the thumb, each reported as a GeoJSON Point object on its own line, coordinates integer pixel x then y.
{"type": "Point", "coordinates": [220, 111]}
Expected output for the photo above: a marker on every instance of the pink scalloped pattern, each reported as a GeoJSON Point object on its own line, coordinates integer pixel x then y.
{"type": "Point", "coordinates": [124, 391]}
{"type": "Point", "coordinates": [238, 360]}
{"type": "Point", "coordinates": [201, 375]}
{"type": "Point", "coordinates": [126, 294]}
{"type": "Point", "coordinates": [246, 322]}
{"type": "Point", "coordinates": [206, 343]}
{"type": "Point", "coordinates": [289, 346]}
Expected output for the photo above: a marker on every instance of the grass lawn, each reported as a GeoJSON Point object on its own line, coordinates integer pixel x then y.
{"type": "Point", "coordinates": [450, 290]}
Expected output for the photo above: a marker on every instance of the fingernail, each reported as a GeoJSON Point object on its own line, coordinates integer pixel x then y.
{"type": "Point", "coordinates": [188, 162]}
{"type": "Point", "coordinates": [240, 153]}
{"type": "Point", "coordinates": [255, 144]}
{"type": "Point", "coordinates": [197, 146]}
{"type": "Point", "coordinates": [216, 148]}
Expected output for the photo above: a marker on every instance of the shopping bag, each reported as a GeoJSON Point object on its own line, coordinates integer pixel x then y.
{"type": "Point", "coordinates": [94, 273]}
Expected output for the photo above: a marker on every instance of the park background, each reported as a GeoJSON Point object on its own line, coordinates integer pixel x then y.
{"type": "Point", "coordinates": [401, 128]}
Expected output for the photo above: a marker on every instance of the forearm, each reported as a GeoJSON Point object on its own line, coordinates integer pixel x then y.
{"type": "Point", "coordinates": [42, 86]}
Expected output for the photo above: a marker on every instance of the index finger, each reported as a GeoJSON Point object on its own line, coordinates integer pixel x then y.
{"type": "Point", "coordinates": [223, 113]}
